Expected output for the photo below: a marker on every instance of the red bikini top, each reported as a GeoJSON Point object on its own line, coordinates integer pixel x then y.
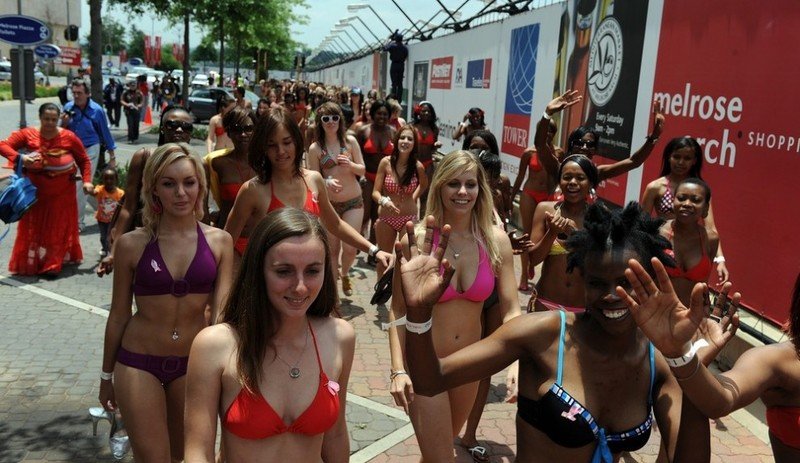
{"type": "Point", "coordinates": [219, 130]}
{"type": "Point", "coordinates": [250, 416]}
{"type": "Point", "coordinates": [372, 148]}
{"type": "Point", "coordinates": [311, 206]}
{"type": "Point", "coordinates": [535, 164]}
{"type": "Point", "coordinates": [701, 270]}
{"type": "Point", "coordinates": [228, 191]}
{"type": "Point", "coordinates": [428, 140]}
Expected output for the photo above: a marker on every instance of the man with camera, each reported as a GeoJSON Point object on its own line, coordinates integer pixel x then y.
{"type": "Point", "coordinates": [88, 121]}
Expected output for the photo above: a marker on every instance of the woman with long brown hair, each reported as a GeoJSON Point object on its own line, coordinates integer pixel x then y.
{"type": "Point", "coordinates": [276, 367]}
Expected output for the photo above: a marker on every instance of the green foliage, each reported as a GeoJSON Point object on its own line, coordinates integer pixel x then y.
{"type": "Point", "coordinates": [135, 43]}
{"type": "Point", "coordinates": [206, 51]}
{"type": "Point", "coordinates": [41, 91]}
{"type": "Point", "coordinates": [113, 34]}
{"type": "Point", "coordinates": [168, 61]}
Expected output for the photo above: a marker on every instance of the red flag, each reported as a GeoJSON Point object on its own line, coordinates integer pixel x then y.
{"type": "Point", "coordinates": [123, 56]}
{"type": "Point", "coordinates": [148, 51]}
{"type": "Point", "coordinates": [157, 54]}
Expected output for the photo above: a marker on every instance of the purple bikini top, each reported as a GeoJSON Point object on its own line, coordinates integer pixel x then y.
{"type": "Point", "coordinates": [153, 278]}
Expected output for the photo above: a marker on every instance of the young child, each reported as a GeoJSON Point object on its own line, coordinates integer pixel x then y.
{"type": "Point", "coordinates": [108, 196]}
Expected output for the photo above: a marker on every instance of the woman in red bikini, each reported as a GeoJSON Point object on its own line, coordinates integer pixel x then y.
{"type": "Point", "coordinates": [276, 155]}
{"type": "Point", "coordinates": [375, 140]}
{"type": "Point", "coordinates": [337, 157]}
{"type": "Point", "coordinates": [276, 367]}
{"type": "Point", "coordinates": [473, 120]}
{"type": "Point", "coordinates": [538, 187]}
{"type": "Point", "coordinates": [482, 257]}
{"type": "Point", "coordinates": [217, 138]}
{"type": "Point", "coordinates": [400, 182]}
{"type": "Point", "coordinates": [553, 223]}
{"type": "Point", "coordinates": [692, 243]}
{"type": "Point", "coordinates": [683, 158]}
{"type": "Point", "coordinates": [174, 266]}
{"type": "Point", "coordinates": [227, 169]}
{"type": "Point", "coordinates": [424, 121]}
{"type": "Point", "coordinates": [770, 373]}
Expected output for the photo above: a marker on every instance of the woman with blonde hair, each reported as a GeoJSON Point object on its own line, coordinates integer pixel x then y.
{"type": "Point", "coordinates": [337, 157]}
{"type": "Point", "coordinates": [174, 266]}
{"type": "Point", "coordinates": [481, 255]}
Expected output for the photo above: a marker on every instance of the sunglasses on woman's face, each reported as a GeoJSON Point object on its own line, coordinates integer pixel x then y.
{"type": "Point", "coordinates": [175, 125]}
{"type": "Point", "coordinates": [584, 144]}
{"type": "Point", "coordinates": [333, 118]}
{"type": "Point", "coordinates": [242, 128]}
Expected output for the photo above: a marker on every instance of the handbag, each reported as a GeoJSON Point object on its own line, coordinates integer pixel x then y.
{"type": "Point", "coordinates": [18, 196]}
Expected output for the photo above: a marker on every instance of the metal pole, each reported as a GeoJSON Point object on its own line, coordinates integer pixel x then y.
{"type": "Point", "coordinates": [69, 42]}
{"type": "Point", "coordinates": [359, 33]}
{"type": "Point", "coordinates": [409, 19]}
{"type": "Point", "coordinates": [381, 19]}
{"type": "Point", "coordinates": [22, 90]}
{"type": "Point", "coordinates": [380, 42]}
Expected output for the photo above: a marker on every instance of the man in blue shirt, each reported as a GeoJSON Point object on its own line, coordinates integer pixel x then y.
{"type": "Point", "coordinates": [88, 121]}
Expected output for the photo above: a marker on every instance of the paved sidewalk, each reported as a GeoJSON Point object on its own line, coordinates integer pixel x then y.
{"type": "Point", "coordinates": [51, 334]}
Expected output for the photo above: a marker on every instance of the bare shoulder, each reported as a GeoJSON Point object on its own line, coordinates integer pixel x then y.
{"type": "Point", "coordinates": [547, 206]}
{"type": "Point", "coordinates": [216, 235]}
{"type": "Point", "coordinates": [130, 246]}
{"type": "Point", "coordinates": [216, 340]}
{"type": "Point", "coordinates": [336, 328]}
{"type": "Point", "coordinates": [535, 331]}
{"type": "Point", "coordinates": [313, 176]}
{"type": "Point", "coordinates": [350, 139]}
{"type": "Point", "coordinates": [314, 149]}
{"type": "Point", "coordinates": [501, 238]}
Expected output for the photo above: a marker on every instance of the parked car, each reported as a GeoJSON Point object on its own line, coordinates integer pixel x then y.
{"type": "Point", "coordinates": [200, 80]}
{"type": "Point", "coordinates": [202, 102]}
{"type": "Point", "coordinates": [5, 71]}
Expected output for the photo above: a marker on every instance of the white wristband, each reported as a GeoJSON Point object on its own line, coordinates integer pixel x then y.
{"type": "Point", "coordinates": [546, 116]}
{"type": "Point", "coordinates": [719, 259]}
{"type": "Point", "coordinates": [384, 200]}
{"type": "Point", "coordinates": [106, 376]}
{"type": "Point", "coordinates": [397, 322]}
{"type": "Point", "coordinates": [419, 328]}
{"type": "Point", "coordinates": [688, 356]}
{"type": "Point", "coordinates": [373, 251]}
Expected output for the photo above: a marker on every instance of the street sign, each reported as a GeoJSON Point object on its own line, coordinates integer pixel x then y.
{"type": "Point", "coordinates": [70, 56]}
{"type": "Point", "coordinates": [47, 50]}
{"type": "Point", "coordinates": [135, 62]}
{"type": "Point", "coordinates": [23, 30]}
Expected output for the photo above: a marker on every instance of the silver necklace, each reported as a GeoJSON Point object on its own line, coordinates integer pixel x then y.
{"type": "Point", "coordinates": [294, 370]}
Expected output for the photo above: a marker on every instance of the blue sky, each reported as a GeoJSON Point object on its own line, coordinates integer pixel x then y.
{"type": "Point", "coordinates": [322, 16]}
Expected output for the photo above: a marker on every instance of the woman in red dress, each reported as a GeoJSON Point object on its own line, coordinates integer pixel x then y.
{"type": "Point", "coordinates": [47, 235]}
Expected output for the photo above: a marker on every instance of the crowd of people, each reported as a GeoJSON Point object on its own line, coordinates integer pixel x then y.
{"type": "Point", "coordinates": [237, 258]}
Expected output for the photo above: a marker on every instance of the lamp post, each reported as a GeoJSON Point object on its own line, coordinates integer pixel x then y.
{"type": "Point", "coordinates": [350, 20]}
{"type": "Point", "coordinates": [352, 8]}
{"type": "Point", "coordinates": [337, 29]}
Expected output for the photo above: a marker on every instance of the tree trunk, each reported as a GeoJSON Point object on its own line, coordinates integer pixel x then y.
{"type": "Point", "coordinates": [96, 49]}
{"type": "Point", "coordinates": [238, 58]}
{"type": "Point", "coordinates": [185, 90]}
{"type": "Point", "coordinates": [221, 50]}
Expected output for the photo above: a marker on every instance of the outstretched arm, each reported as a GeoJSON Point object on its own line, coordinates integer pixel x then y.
{"type": "Point", "coordinates": [542, 139]}
{"type": "Point", "coordinates": [612, 170]}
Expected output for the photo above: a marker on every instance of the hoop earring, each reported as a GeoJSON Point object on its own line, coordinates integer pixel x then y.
{"type": "Point", "coordinates": [157, 206]}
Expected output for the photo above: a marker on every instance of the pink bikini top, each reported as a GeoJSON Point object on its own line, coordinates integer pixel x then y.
{"type": "Point", "coordinates": [483, 285]}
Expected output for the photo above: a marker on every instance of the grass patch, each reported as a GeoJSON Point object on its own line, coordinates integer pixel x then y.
{"type": "Point", "coordinates": [41, 91]}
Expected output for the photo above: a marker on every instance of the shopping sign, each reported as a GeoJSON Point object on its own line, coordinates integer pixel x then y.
{"type": "Point", "coordinates": [70, 56]}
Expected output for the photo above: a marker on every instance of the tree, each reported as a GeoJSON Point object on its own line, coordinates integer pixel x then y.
{"type": "Point", "coordinates": [136, 43]}
{"type": "Point", "coordinates": [96, 49]}
{"type": "Point", "coordinates": [113, 35]}
{"type": "Point", "coordinates": [206, 51]}
{"type": "Point", "coordinates": [168, 61]}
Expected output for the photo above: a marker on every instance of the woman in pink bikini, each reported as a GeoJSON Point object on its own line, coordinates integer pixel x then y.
{"type": "Point", "coordinates": [337, 156]}
{"type": "Point", "coordinates": [174, 266]}
{"type": "Point", "coordinates": [276, 367]}
{"type": "Point", "coordinates": [276, 154]}
{"type": "Point", "coordinates": [399, 183]}
{"type": "Point", "coordinates": [482, 257]}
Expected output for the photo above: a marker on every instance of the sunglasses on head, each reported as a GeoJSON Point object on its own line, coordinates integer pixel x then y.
{"type": "Point", "coordinates": [242, 128]}
{"type": "Point", "coordinates": [331, 118]}
{"type": "Point", "coordinates": [175, 125]}
{"type": "Point", "coordinates": [584, 143]}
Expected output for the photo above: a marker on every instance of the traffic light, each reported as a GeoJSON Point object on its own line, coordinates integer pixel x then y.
{"type": "Point", "coordinates": [71, 33]}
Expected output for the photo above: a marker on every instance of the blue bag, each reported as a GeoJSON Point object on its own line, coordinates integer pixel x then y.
{"type": "Point", "coordinates": [18, 196]}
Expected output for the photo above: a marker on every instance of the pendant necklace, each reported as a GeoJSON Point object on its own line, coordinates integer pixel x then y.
{"type": "Point", "coordinates": [294, 370]}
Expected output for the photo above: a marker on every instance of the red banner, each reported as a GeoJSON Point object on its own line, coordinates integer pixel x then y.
{"type": "Point", "coordinates": [123, 56]}
{"type": "Point", "coordinates": [442, 72]}
{"type": "Point", "coordinates": [70, 56]}
{"type": "Point", "coordinates": [725, 75]}
{"type": "Point", "coordinates": [148, 51]}
{"type": "Point", "coordinates": [157, 50]}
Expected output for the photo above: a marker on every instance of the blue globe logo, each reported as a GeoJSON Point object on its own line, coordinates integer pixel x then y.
{"type": "Point", "coordinates": [522, 69]}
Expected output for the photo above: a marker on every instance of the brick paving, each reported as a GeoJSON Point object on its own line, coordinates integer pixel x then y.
{"type": "Point", "coordinates": [51, 334]}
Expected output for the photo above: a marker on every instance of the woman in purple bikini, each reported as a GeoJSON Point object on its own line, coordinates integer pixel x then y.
{"type": "Point", "coordinates": [145, 354]}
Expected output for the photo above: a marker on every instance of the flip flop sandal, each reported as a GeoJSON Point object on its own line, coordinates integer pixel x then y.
{"type": "Point", "coordinates": [478, 454]}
